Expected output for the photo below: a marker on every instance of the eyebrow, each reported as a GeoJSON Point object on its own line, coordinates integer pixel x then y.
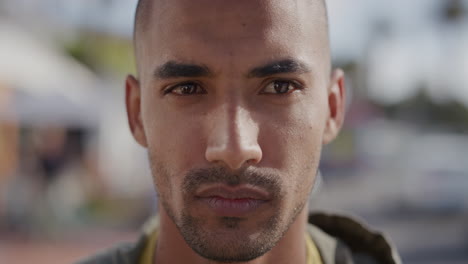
{"type": "Point", "coordinates": [277, 67]}
{"type": "Point", "coordinates": [174, 69]}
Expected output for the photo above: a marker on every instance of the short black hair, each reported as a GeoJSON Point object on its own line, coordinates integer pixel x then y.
{"type": "Point", "coordinates": [141, 15]}
{"type": "Point", "coordinates": [144, 8]}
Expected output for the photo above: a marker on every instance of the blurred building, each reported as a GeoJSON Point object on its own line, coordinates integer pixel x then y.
{"type": "Point", "coordinates": [63, 132]}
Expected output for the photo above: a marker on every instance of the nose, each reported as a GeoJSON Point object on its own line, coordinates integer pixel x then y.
{"type": "Point", "coordinates": [233, 138]}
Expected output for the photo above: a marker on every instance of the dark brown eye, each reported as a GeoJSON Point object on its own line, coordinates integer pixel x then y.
{"type": "Point", "coordinates": [279, 87]}
{"type": "Point", "coordinates": [186, 89]}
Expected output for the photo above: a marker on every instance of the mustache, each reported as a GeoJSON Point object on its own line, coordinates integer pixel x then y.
{"type": "Point", "coordinates": [218, 175]}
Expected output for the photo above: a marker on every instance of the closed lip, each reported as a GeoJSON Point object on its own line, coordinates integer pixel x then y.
{"type": "Point", "coordinates": [240, 192]}
{"type": "Point", "coordinates": [237, 201]}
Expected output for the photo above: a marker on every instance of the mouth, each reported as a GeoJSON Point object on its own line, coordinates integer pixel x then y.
{"type": "Point", "coordinates": [238, 201]}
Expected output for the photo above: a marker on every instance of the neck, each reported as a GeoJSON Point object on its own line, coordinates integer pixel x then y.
{"type": "Point", "coordinates": [172, 248]}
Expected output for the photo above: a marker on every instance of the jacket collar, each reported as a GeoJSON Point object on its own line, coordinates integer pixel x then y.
{"type": "Point", "coordinates": [342, 239]}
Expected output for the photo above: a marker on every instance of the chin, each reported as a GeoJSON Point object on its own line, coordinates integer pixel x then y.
{"type": "Point", "coordinates": [232, 245]}
{"type": "Point", "coordinates": [230, 239]}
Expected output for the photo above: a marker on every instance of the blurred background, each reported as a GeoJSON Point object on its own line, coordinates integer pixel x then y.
{"type": "Point", "coordinates": [73, 181]}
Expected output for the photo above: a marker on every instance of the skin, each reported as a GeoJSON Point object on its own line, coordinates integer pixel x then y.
{"type": "Point", "coordinates": [233, 120]}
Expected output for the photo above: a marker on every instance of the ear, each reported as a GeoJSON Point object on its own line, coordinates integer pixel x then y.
{"type": "Point", "coordinates": [336, 106]}
{"type": "Point", "coordinates": [133, 103]}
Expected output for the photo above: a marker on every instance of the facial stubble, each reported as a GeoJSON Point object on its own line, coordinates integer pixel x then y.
{"type": "Point", "coordinates": [232, 243]}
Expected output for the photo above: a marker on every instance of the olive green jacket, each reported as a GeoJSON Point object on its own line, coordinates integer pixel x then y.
{"type": "Point", "coordinates": [339, 239]}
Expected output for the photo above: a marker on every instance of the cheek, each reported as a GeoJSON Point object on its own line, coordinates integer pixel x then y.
{"type": "Point", "coordinates": [293, 138]}
{"type": "Point", "coordinates": [173, 152]}
{"type": "Point", "coordinates": [292, 143]}
{"type": "Point", "coordinates": [175, 141]}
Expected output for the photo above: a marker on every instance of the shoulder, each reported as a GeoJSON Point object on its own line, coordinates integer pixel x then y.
{"type": "Point", "coordinates": [341, 239]}
{"type": "Point", "coordinates": [126, 253]}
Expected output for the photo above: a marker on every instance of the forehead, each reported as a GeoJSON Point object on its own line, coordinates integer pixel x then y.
{"type": "Point", "coordinates": [188, 30]}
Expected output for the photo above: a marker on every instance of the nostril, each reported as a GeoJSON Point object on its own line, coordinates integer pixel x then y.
{"type": "Point", "coordinates": [251, 162]}
{"type": "Point", "coordinates": [234, 157]}
{"type": "Point", "coordinates": [254, 155]}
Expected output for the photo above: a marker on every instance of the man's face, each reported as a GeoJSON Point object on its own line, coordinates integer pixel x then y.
{"type": "Point", "coordinates": [234, 102]}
